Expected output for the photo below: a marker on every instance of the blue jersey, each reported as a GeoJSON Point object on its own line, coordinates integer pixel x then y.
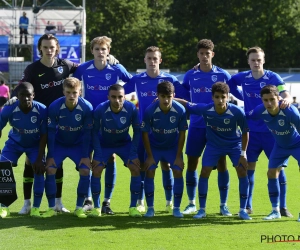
{"type": "Point", "coordinates": [164, 128]}
{"type": "Point", "coordinates": [146, 88]}
{"type": "Point", "coordinates": [112, 130]}
{"type": "Point", "coordinates": [199, 84]}
{"type": "Point", "coordinates": [251, 91]}
{"type": "Point", "coordinates": [69, 128]}
{"type": "Point", "coordinates": [26, 128]}
{"type": "Point", "coordinates": [97, 82]}
{"type": "Point", "coordinates": [284, 126]}
{"type": "Point", "coordinates": [222, 130]}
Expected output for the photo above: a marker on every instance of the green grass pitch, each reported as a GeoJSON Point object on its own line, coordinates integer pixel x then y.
{"type": "Point", "coordinates": [65, 231]}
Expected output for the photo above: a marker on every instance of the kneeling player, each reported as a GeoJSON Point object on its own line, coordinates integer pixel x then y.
{"type": "Point", "coordinates": [284, 125]}
{"type": "Point", "coordinates": [28, 135]}
{"type": "Point", "coordinates": [70, 121]}
{"type": "Point", "coordinates": [224, 137]}
{"type": "Point", "coordinates": [163, 132]}
{"type": "Point", "coordinates": [112, 120]}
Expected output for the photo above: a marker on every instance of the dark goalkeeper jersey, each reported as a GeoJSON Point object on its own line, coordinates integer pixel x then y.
{"type": "Point", "coordinates": [47, 81]}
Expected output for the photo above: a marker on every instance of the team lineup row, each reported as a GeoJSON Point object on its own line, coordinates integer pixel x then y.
{"type": "Point", "coordinates": [47, 74]}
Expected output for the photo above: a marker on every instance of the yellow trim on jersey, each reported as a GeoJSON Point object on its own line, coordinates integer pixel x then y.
{"type": "Point", "coordinates": [281, 88]}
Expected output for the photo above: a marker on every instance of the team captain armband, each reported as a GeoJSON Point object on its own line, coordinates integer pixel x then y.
{"type": "Point", "coordinates": [281, 88]}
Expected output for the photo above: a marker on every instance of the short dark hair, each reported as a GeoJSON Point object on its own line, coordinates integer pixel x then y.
{"type": "Point", "coordinates": [269, 89]}
{"type": "Point", "coordinates": [116, 87]}
{"type": "Point", "coordinates": [254, 49]}
{"type": "Point", "coordinates": [48, 37]}
{"type": "Point", "coordinates": [153, 49]}
{"type": "Point", "coordinates": [22, 86]}
{"type": "Point", "coordinates": [220, 87]}
{"type": "Point", "coordinates": [1, 82]}
{"type": "Point", "coordinates": [166, 88]}
{"type": "Point", "coordinates": [205, 44]}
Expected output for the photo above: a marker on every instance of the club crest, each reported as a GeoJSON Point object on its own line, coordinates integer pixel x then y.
{"type": "Point", "coordinates": [226, 121]}
{"type": "Point", "coordinates": [172, 119]}
{"type": "Point", "coordinates": [33, 119]}
{"type": "Point", "coordinates": [281, 122]}
{"type": "Point", "coordinates": [60, 69]}
{"type": "Point", "coordinates": [49, 121]}
{"type": "Point", "coordinates": [262, 84]}
{"type": "Point", "coordinates": [107, 76]}
{"type": "Point", "coordinates": [123, 120]}
{"type": "Point", "coordinates": [78, 117]}
{"type": "Point", "coordinates": [214, 78]}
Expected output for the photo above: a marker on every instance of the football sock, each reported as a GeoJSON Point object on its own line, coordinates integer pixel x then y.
{"type": "Point", "coordinates": [243, 189]}
{"type": "Point", "coordinates": [82, 189]}
{"type": "Point", "coordinates": [90, 191]}
{"type": "Point", "coordinates": [202, 191]}
{"type": "Point", "coordinates": [50, 189]}
{"type": "Point", "coordinates": [168, 183]}
{"type": "Point", "coordinates": [38, 189]}
{"type": "Point", "coordinates": [191, 184]}
{"type": "Point", "coordinates": [178, 190]}
{"type": "Point", "coordinates": [27, 181]}
{"type": "Point", "coordinates": [95, 188]}
{"type": "Point", "coordinates": [110, 179]}
{"type": "Point", "coordinates": [59, 176]}
{"type": "Point", "coordinates": [250, 174]}
{"type": "Point", "coordinates": [283, 188]}
{"type": "Point", "coordinates": [273, 187]}
{"type": "Point", "coordinates": [149, 191]}
{"type": "Point", "coordinates": [223, 183]}
{"type": "Point", "coordinates": [135, 186]}
{"type": "Point", "coordinates": [142, 191]}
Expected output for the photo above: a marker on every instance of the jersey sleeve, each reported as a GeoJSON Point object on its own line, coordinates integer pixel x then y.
{"type": "Point", "coordinates": [27, 75]}
{"type": "Point", "coordinates": [185, 82]}
{"type": "Point", "coordinates": [43, 125]}
{"type": "Point", "coordinates": [87, 130]}
{"type": "Point", "coordinates": [255, 114]}
{"type": "Point", "coordinates": [125, 75]}
{"type": "Point", "coordinates": [71, 65]}
{"type": "Point", "coordinates": [4, 116]}
{"type": "Point", "coordinates": [233, 86]}
{"type": "Point", "coordinates": [242, 122]}
{"type": "Point", "coordinates": [136, 134]}
{"type": "Point", "coordinates": [52, 123]}
{"type": "Point", "coordinates": [196, 108]}
{"type": "Point", "coordinates": [129, 87]}
{"type": "Point", "coordinates": [180, 90]}
{"type": "Point", "coordinates": [146, 123]}
{"type": "Point", "coordinates": [294, 117]}
{"type": "Point", "coordinates": [182, 126]}
{"type": "Point", "coordinates": [78, 73]}
{"type": "Point", "coordinates": [95, 137]}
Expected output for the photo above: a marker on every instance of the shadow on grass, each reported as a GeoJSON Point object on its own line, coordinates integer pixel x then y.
{"type": "Point", "coordinates": [121, 221]}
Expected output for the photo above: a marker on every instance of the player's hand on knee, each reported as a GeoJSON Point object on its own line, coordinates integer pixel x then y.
{"type": "Point", "coordinates": [179, 162]}
{"type": "Point", "coordinates": [135, 162]}
{"type": "Point", "coordinates": [85, 161]}
{"type": "Point", "coordinates": [243, 162]}
{"type": "Point", "coordinates": [50, 162]}
{"type": "Point", "coordinates": [96, 163]}
{"type": "Point", "coordinates": [149, 162]}
{"type": "Point", "coordinates": [39, 167]}
{"type": "Point", "coordinates": [112, 60]}
{"type": "Point", "coordinates": [11, 101]}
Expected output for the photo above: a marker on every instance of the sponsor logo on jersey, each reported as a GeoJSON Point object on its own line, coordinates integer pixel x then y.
{"type": "Point", "coordinates": [108, 120]}
{"type": "Point", "coordinates": [281, 122]}
{"type": "Point", "coordinates": [115, 131]}
{"type": "Point", "coordinates": [161, 80]}
{"type": "Point", "coordinates": [52, 84]}
{"type": "Point", "coordinates": [123, 120]}
{"type": "Point", "coordinates": [68, 128]}
{"type": "Point", "coordinates": [148, 93]}
{"type": "Point", "coordinates": [216, 128]}
{"type": "Point", "coordinates": [16, 119]}
{"type": "Point", "coordinates": [226, 121]}
{"type": "Point", "coordinates": [27, 131]}
{"type": "Point", "coordinates": [142, 124]}
{"type": "Point", "coordinates": [262, 84]}
{"type": "Point", "coordinates": [214, 78]}
{"type": "Point", "coordinates": [41, 74]}
{"type": "Point", "coordinates": [173, 119]}
{"type": "Point", "coordinates": [165, 131]}
{"type": "Point", "coordinates": [156, 120]}
{"type": "Point", "coordinates": [49, 121]}
{"type": "Point", "coordinates": [201, 90]}
{"type": "Point", "coordinates": [195, 79]}
{"type": "Point", "coordinates": [97, 87]}
{"type": "Point", "coordinates": [78, 117]}
{"type": "Point", "coordinates": [90, 76]}
{"type": "Point", "coordinates": [60, 69]}
{"type": "Point", "coordinates": [252, 94]}
{"type": "Point", "coordinates": [279, 133]}
{"type": "Point", "coordinates": [33, 119]}
{"type": "Point", "coordinates": [107, 76]}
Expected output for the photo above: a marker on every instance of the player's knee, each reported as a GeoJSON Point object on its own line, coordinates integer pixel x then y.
{"type": "Point", "coordinates": [112, 159]}
{"type": "Point", "coordinates": [192, 163]}
{"type": "Point", "coordinates": [51, 170]}
{"type": "Point", "coordinates": [165, 166]}
{"type": "Point", "coordinates": [273, 173]}
{"type": "Point", "coordinates": [97, 171]}
{"type": "Point", "coordinates": [134, 170]}
{"type": "Point", "coordinates": [205, 172]}
{"type": "Point", "coordinates": [177, 173]}
{"type": "Point", "coordinates": [150, 173]}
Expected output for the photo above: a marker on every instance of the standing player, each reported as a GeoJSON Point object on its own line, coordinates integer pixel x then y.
{"type": "Point", "coordinates": [198, 82]}
{"type": "Point", "coordinates": [145, 84]}
{"type": "Point", "coordinates": [163, 131]}
{"type": "Point", "coordinates": [284, 125]}
{"type": "Point", "coordinates": [112, 120]}
{"type": "Point", "coordinates": [226, 134]}
{"type": "Point", "coordinates": [28, 135]}
{"type": "Point", "coordinates": [261, 139]}
{"type": "Point", "coordinates": [97, 76]}
{"type": "Point", "coordinates": [70, 121]}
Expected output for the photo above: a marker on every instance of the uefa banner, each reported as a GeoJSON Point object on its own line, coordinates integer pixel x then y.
{"type": "Point", "coordinates": [70, 47]}
{"type": "Point", "coordinates": [4, 53]}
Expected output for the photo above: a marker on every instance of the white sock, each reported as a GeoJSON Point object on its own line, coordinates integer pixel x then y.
{"type": "Point", "coordinates": [27, 202]}
{"type": "Point", "coordinates": [275, 209]}
{"type": "Point", "coordinates": [193, 202]}
{"type": "Point", "coordinates": [57, 200]}
{"type": "Point", "coordinates": [106, 200]}
{"type": "Point", "coordinates": [141, 202]}
{"type": "Point", "coordinates": [168, 203]}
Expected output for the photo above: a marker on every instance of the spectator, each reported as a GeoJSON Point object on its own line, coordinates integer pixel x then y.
{"type": "Point", "coordinates": [295, 103]}
{"type": "Point", "coordinates": [77, 29]}
{"type": "Point", "coordinates": [134, 101]}
{"type": "Point", "coordinates": [23, 24]}
{"type": "Point", "coordinates": [50, 28]}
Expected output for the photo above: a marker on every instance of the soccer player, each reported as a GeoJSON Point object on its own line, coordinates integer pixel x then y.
{"type": "Point", "coordinates": [198, 82]}
{"type": "Point", "coordinates": [28, 135]}
{"type": "Point", "coordinates": [284, 125]}
{"type": "Point", "coordinates": [163, 131]}
{"type": "Point", "coordinates": [97, 76]}
{"type": "Point", "coordinates": [145, 86]}
{"type": "Point", "coordinates": [260, 138]}
{"type": "Point", "coordinates": [70, 120]}
{"type": "Point", "coordinates": [226, 134]}
{"type": "Point", "coordinates": [112, 120]}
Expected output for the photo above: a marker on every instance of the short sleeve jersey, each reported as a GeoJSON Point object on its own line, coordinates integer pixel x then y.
{"type": "Point", "coordinates": [47, 81]}
{"type": "Point", "coordinates": [164, 128]}
{"type": "Point", "coordinates": [222, 130]}
{"type": "Point", "coordinates": [69, 125]}
{"type": "Point", "coordinates": [97, 82]}
{"type": "Point", "coordinates": [26, 128]}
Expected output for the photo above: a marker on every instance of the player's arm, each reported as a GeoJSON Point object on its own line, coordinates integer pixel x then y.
{"type": "Point", "coordinates": [133, 157]}
{"type": "Point", "coordinates": [242, 123]}
{"type": "Point", "coordinates": [233, 86]}
{"type": "Point", "coordinates": [129, 87]}
{"type": "Point", "coordinates": [255, 114]}
{"type": "Point", "coordinates": [180, 90]}
{"type": "Point", "coordinates": [125, 75]}
{"type": "Point", "coordinates": [294, 117]}
{"type": "Point", "coordinates": [97, 157]}
{"type": "Point", "coordinates": [192, 108]}
{"type": "Point", "coordinates": [286, 99]}
{"type": "Point", "coordinates": [179, 161]}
